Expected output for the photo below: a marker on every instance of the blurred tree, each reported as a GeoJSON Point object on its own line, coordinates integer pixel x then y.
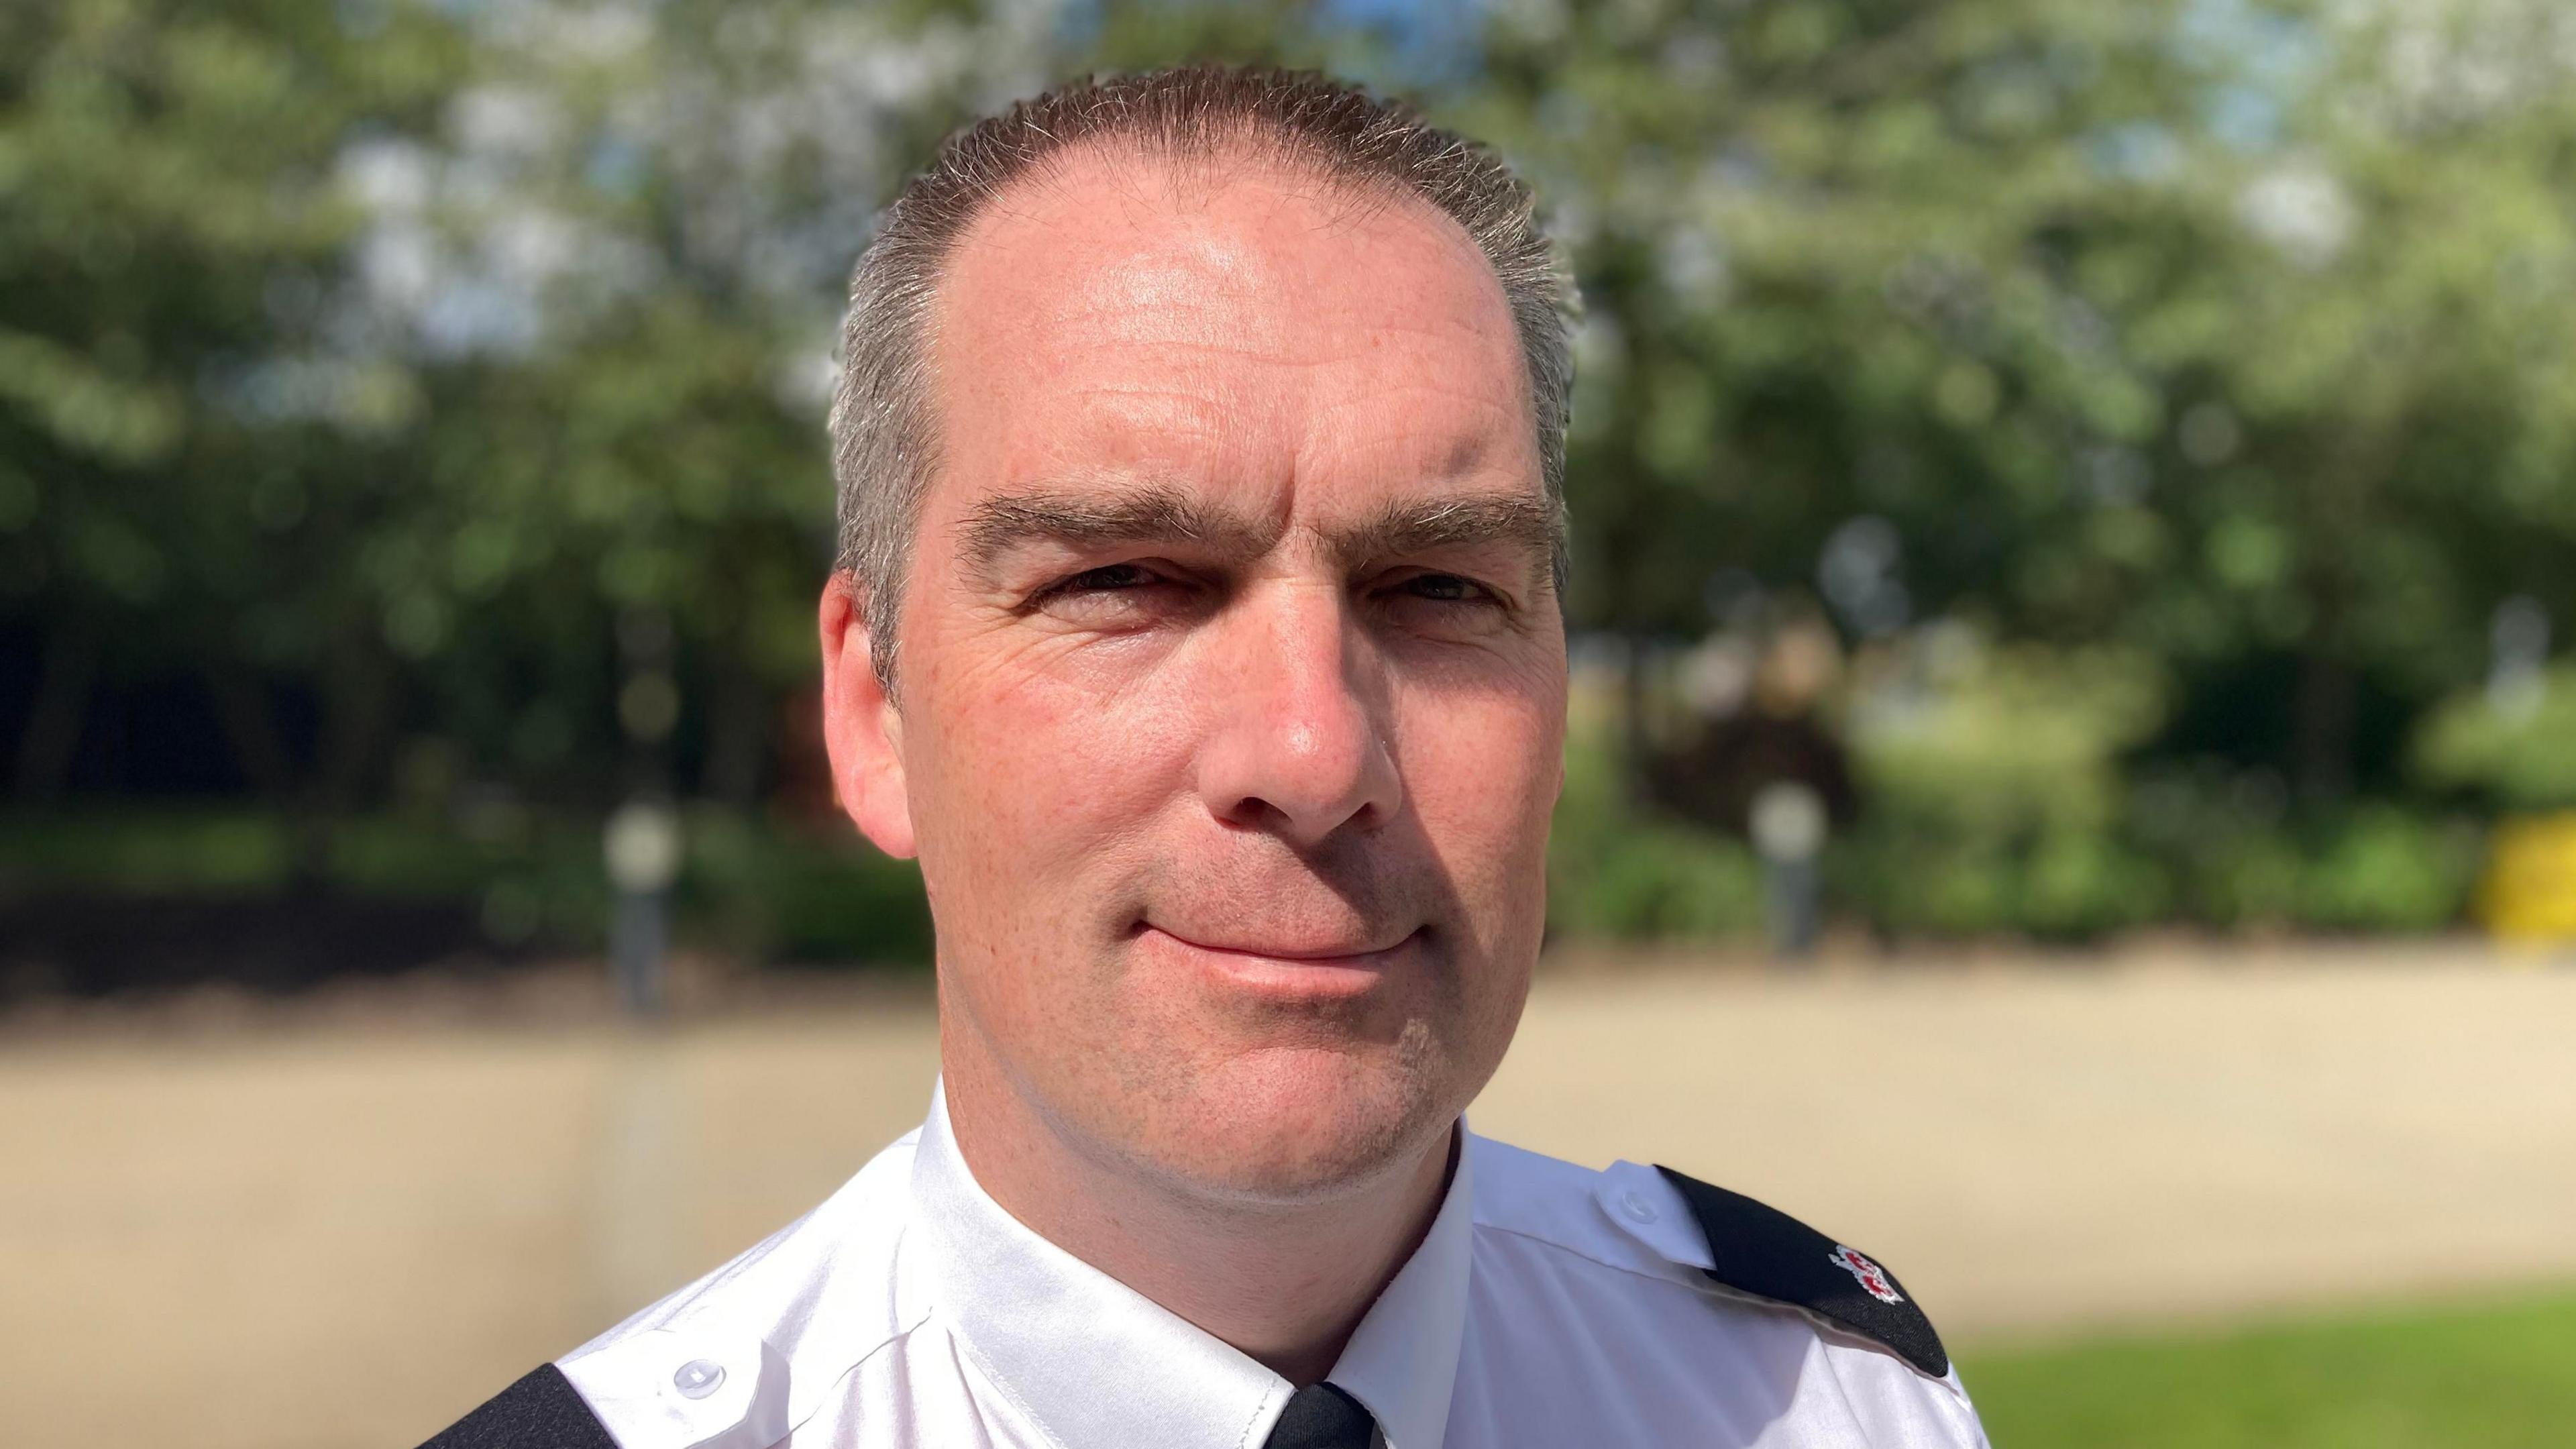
{"type": "Point", "coordinates": [623, 257]}
{"type": "Point", "coordinates": [2170, 325]}
{"type": "Point", "coordinates": [375, 361]}
{"type": "Point", "coordinates": [191, 456]}
{"type": "Point", "coordinates": [436, 389]}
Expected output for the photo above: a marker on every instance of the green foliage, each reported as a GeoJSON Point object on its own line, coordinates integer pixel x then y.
{"type": "Point", "coordinates": [533, 879]}
{"type": "Point", "coordinates": [1655, 882]}
{"type": "Point", "coordinates": [181, 854]}
{"type": "Point", "coordinates": [2517, 751]}
{"type": "Point", "coordinates": [2489, 1375]}
{"type": "Point", "coordinates": [1999, 800]}
{"type": "Point", "coordinates": [2206, 861]}
{"type": "Point", "coordinates": [422, 380]}
{"type": "Point", "coordinates": [1994, 795]}
{"type": "Point", "coordinates": [771, 894]}
{"type": "Point", "coordinates": [2154, 325]}
{"type": "Point", "coordinates": [1990, 747]}
{"type": "Point", "coordinates": [2056, 885]}
{"type": "Point", "coordinates": [2236, 864]}
{"type": "Point", "coordinates": [1613, 876]}
{"type": "Point", "coordinates": [2384, 870]}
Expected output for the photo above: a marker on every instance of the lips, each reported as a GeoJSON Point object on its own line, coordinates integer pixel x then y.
{"type": "Point", "coordinates": [1324, 954]}
{"type": "Point", "coordinates": [1289, 972]}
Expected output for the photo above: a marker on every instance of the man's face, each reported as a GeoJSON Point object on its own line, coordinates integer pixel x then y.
{"type": "Point", "coordinates": [1232, 681]}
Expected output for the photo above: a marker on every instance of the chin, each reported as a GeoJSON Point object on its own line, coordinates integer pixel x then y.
{"type": "Point", "coordinates": [1299, 1124]}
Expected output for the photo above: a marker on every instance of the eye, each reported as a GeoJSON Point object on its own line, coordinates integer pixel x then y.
{"type": "Point", "coordinates": [1438, 605]}
{"type": "Point", "coordinates": [1445, 588]}
{"type": "Point", "coordinates": [1107, 578]}
{"type": "Point", "coordinates": [1119, 597]}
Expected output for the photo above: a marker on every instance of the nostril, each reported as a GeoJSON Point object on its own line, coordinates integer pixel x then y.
{"type": "Point", "coordinates": [1301, 751]}
{"type": "Point", "coordinates": [1254, 813]}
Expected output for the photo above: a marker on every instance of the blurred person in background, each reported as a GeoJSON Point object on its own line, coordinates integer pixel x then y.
{"type": "Point", "coordinates": [1197, 625]}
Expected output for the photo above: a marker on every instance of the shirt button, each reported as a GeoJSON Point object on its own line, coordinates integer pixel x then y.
{"type": "Point", "coordinates": [1637, 1208]}
{"type": "Point", "coordinates": [698, 1378]}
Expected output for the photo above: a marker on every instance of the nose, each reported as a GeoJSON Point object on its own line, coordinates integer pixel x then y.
{"type": "Point", "coordinates": [1299, 744]}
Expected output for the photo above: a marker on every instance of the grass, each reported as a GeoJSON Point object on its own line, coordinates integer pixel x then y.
{"type": "Point", "coordinates": [2493, 1375]}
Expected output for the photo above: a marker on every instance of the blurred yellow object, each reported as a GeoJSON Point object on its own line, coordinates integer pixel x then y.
{"type": "Point", "coordinates": [2529, 893]}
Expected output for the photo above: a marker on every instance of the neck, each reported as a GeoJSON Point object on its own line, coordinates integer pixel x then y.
{"type": "Point", "coordinates": [1285, 1285]}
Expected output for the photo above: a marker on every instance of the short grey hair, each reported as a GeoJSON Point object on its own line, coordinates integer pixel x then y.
{"type": "Point", "coordinates": [885, 444]}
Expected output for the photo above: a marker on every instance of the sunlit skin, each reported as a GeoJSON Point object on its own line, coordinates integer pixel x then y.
{"type": "Point", "coordinates": [1229, 715]}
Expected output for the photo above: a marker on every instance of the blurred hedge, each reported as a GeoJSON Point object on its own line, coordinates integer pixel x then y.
{"type": "Point", "coordinates": [2002, 795]}
{"type": "Point", "coordinates": [528, 882]}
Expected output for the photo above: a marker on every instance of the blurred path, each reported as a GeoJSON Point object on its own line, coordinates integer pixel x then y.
{"type": "Point", "coordinates": [343, 1240]}
{"type": "Point", "coordinates": [2039, 1149]}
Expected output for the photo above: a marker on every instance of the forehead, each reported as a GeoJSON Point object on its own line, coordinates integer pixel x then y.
{"type": "Point", "coordinates": [1240, 316]}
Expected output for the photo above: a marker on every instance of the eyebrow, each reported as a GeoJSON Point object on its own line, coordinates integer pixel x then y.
{"type": "Point", "coordinates": [1518, 520]}
{"type": "Point", "coordinates": [1160, 514]}
{"type": "Point", "coordinates": [1153, 514]}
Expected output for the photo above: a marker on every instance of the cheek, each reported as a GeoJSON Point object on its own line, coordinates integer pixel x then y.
{"type": "Point", "coordinates": [1031, 789]}
{"type": "Point", "coordinates": [1483, 775]}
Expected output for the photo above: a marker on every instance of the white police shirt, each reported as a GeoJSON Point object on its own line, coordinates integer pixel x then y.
{"type": "Point", "coordinates": [1549, 1305]}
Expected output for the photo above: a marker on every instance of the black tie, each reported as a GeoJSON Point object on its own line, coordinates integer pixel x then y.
{"type": "Point", "coordinates": [1320, 1416]}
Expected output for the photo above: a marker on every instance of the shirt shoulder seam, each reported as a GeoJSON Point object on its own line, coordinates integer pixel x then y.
{"type": "Point", "coordinates": [1593, 1258]}
{"type": "Point", "coordinates": [972, 1353]}
{"type": "Point", "coordinates": [1708, 1288]}
{"type": "Point", "coordinates": [843, 1377]}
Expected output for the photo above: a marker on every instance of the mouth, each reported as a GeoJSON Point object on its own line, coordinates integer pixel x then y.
{"type": "Point", "coordinates": [1332, 971]}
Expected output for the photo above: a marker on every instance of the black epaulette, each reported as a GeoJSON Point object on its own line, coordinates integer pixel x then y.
{"type": "Point", "coordinates": [1769, 1254]}
{"type": "Point", "coordinates": [540, 1411]}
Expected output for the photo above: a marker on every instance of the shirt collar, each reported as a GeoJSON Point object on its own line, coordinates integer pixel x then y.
{"type": "Point", "coordinates": [1142, 1373]}
{"type": "Point", "coordinates": [1402, 1360]}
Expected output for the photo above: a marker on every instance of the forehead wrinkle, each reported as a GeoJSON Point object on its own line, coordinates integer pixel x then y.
{"type": "Point", "coordinates": [1152, 513]}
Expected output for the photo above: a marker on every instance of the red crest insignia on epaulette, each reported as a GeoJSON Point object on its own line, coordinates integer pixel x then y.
{"type": "Point", "coordinates": [1873, 1278]}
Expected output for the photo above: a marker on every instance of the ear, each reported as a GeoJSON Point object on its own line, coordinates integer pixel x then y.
{"type": "Point", "coordinates": [861, 730]}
